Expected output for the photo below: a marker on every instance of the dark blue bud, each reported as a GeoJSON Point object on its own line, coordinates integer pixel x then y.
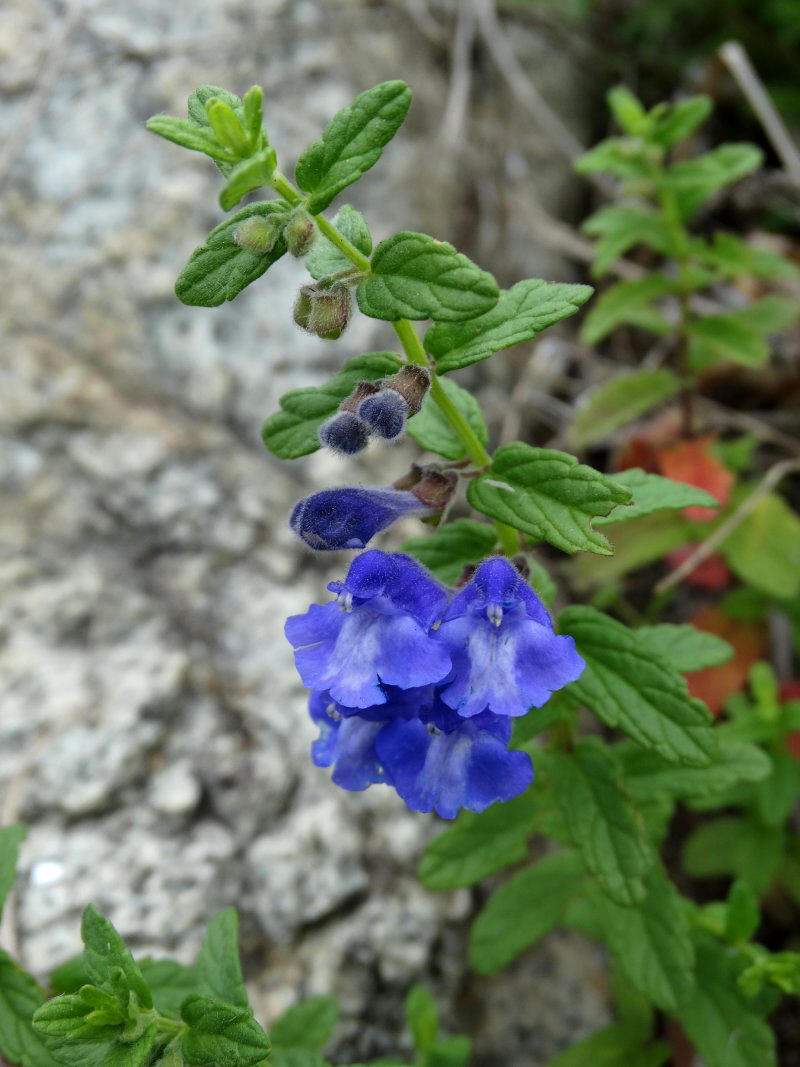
{"type": "Point", "coordinates": [345, 433]}
{"type": "Point", "coordinates": [385, 413]}
{"type": "Point", "coordinates": [349, 517]}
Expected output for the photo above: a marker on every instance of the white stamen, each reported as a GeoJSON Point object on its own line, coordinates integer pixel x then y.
{"type": "Point", "coordinates": [345, 601]}
{"type": "Point", "coordinates": [494, 613]}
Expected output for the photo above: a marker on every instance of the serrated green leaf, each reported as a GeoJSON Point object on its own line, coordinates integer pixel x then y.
{"type": "Point", "coordinates": [681, 118]}
{"type": "Point", "coordinates": [692, 181]}
{"type": "Point", "coordinates": [20, 997]}
{"type": "Point", "coordinates": [324, 258]}
{"type": "Point", "coordinates": [220, 268]}
{"type": "Point", "coordinates": [352, 142]}
{"type": "Point", "coordinates": [522, 910]}
{"type": "Point", "coordinates": [628, 302]}
{"type": "Point", "coordinates": [732, 257]}
{"type": "Point", "coordinates": [189, 135]}
{"type": "Point", "coordinates": [651, 492]}
{"type": "Point", "coordinates": [217, 967]}
{"type": "Point", "coordinates": [477, 845]}
{"type": "Point", "coordinates": [449, 548]}
{"type": "Point", "coordinates": [308, 1024]}
{"type": "Point", "coordinates": [648, 774]}
{"type": "Point", "coordinates": [414, 276]}
{"type": "Point", "coordinates": [732, 845]}
{"type": "Point", "coordinates": [548, 495]}
{"type": "Point", "coordinates": [684, 647]}
{"type": "Point", "coordinates": [10, 838]}
{"type": "Point", "coordinates": [718, 1020]}
{"type": "Point", "coordinates": [221, 1035]}
{"type": "Point", "coordinates": [432, 431]}
{"type": "Point", "coordinates": [521, 312]}
{"type": "Point", "coordinates": [292, 431]}
{"type": "Point", "coordinates": [626, 685]}
{"type": "Point", "coordinates": [107, 958]}
{"type": "Point", "coordinates": [764, 549]}
{"type": "Point", "coordinates": [422, 1017]}
{"type": "Point", "coordinates": [70, 1016]}
{"type": "Point", "coordinates": [601, 820]}
{"type": "Point", "coordinates": [619, 227]}
{"type": "Point", "coordinates": [618, 401]}
{"type": "Point", "coordinates": [250, 174]}
{"type": "Point", "coordinates": [170, 983]}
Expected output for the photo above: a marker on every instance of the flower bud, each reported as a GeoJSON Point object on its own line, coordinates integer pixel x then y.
{"type": "Point", "coordinates": [300, 231]}
{"type": "Point", "coordinates": [385, 413]}
{"type": "Point", "coordinates": [412, 383]}
{"type": "Point", "coordinates": [258, 234]}
{"type": "Point", "coordinates": [324, 312]}
{"type": "Point", "coordinates": [226, 126]}
{"type": "Point", "coordinates": [351, 516]}
{"type": "Point", "coordinates": [345, 433]}
{"type": "Point", "coordinates": [362, 390]}
{"type": "Point", "coordinates": [435, 488]}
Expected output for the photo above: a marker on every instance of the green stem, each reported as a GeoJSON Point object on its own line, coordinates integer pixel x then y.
{"type": "Point", "coordinates": [344, 246]}
{"type": "Point", "coordinates": [285, 188]}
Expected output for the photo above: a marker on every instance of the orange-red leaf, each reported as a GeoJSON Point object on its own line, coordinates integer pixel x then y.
{"type": "Point", "coordinates": [715, 684]}
{"type": "Point", "coordinates": [693, 462]}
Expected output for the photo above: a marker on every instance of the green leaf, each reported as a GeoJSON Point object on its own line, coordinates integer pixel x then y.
{"type": "Point", "coordinates": [613, 1046]}
{"type": "Point", "coordinates": [292, 431]}
{"type": "Point", "coordinates": [10, 837]}
{"type": "Point", "coordinates": [681, 118]}
{"type": "Point", "coordinates": [626, 109]}
{"type": "Point", "coordinates": [170, 983]}
{"type": "Point", "coordinates": [189, 135]}
{"type": "Point", "coordinates": [742, 914]}
{"type": "Point", "coordinates": [220, 268]}
{"type": "Point", "coordinates": [636, 543]}
{"type": "Point", "coordinates": [781, 969]}
{"type": "Point", "coordinates": [432, 431]}
{"type": "Point", "coordinates": [601, 820]}
{"type": "Point", "coordinates": [652, 493]}
{"type": "Point", "coordinates": [628, 302]}
{"type": "Point", "coordinates": [414, 276]}
{"type": "Point", "coordinates": [764, 549]}
{"type": "Point", "coordinates": [449, 548]}
{"type": "Point", "coordinates": [130, 1053]}
{"type": "Point", "coordinates": [20, 997]}
{"type": "Point", "coordinates": [618, 401]}
{"type": "Point", "coordinates": [624, 157]}
{"type": "Point", "coordinates": [522, 910]}
{"type": "Point", "coordinates": [308, 1024]}
{"type": "Point", "coordinates": [294, 1057]}
{"type": "Point", "coordinates": [562, 706]}
{"type": "Point", "coordinates": [740, 335]}
{"type": "Point", "coordinates": [221, 1035]}
{"type": "Point", "coordinates": [520, 313]}
{"type": "Point", "coordinates": [70, 976]}
{"type": "Point", "coordinates": [718, 1020]}
{"type": "Point", "coordinates": [351, 142]}
{"type": "Point", "coordinates": [105, 954]}
{"type": "Point", "coordinates": [250, 174]}
{"type": "Point", "coordinates": [626, 685]}
{"type": "Point", "coordinates": [733, 257]}
{"type": "Point", "coordinates": [620, 227]}
{"type": "Point", "coordinates": [647, 774]}
{"type": "Point", "coordinates": [196, 104]}
{"type": "Point", "coordinates": [684, 647]}
{"type": "Point", "coordinates": [324, 258]}
{"type": "Point", "coordinates": [74, 1016]}
{"type": "Point", "coordinates": [548, 495]}
{"type": "Point", "coordinates": [448, 1052]}
{"type": "Point", "coordinates": [477, 845]}
{"type": "Point", "coordinates": [739, 846]}
{"type": "Point", "coordinates": [219, 973]}
{"type": "Point", "coordinates": [422, 1017]}
{"type": "Point", "coordinates": [694, 180]}
{"type": "Point", "coordinates": [778, 792]}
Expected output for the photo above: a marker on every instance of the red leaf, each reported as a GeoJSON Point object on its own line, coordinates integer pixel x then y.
{"type": "Point", "coordinates": [693, 463]}
{"type": "Point", "coordinates": [715, 684]}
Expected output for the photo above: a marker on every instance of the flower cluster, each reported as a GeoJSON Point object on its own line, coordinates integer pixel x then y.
{"type": "Point", "coordinates": [415, 685]}
{"type": "Point", "coordinates": [380, 408]}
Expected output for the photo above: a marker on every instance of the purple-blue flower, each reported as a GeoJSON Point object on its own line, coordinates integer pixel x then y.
{"type": "Point", "coordinates": [506, 658]}
{"type": "Point", "coordinates": [375, 634]}
{"type": "Point", "coordinates": [351, 516]}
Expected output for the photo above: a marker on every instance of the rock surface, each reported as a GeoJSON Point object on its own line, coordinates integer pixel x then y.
{"type": "Point", "coordinates": [153, 731]}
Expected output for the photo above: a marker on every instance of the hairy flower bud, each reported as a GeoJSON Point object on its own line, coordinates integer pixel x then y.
{"type": "Point", "coordinates": [259, 234]}
{"type": "Point", "coordinates": [323, 311]}
{"type": "Point", "coordinates": [385, 413]}
{"type": "Point", "coordinates": [435, 488]}
{"type": "Point", "coordinates": [362, 390]}
{"type": "Point", "coordinates": [344, 432]}
{"type": "Point", "coordinates": [350, 517]}
{"type": "Point", "coordinates": [299, 232]}
{"type": "Point", "coordinates": [412, 383]}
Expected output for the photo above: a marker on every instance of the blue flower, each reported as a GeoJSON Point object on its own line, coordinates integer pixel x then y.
{"type": "Point", "coordinates": [349, 517]}
{"type": "Point", "coordinates": [346, 743]}
{"type": "Point", "coordinates": [506, 658]}
{"type": "Point", "coordinates": [375, 634]}
{"type": "Point", "coordinates": [385, 413]}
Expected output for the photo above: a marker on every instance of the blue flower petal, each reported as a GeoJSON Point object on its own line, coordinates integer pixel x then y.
{"type": "Point", "coordinates": [349, 517]}
{"type": "Point", "coordinates": [347, 744]}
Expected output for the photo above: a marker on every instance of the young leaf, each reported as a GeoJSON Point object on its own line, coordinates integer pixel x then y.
{"type": "Point", "coordinates": [325, 258]}
{"type": "Point", "coordinates": [620, 227]}
{"type": "Point", "coordinates": [718, 1020]}
{"type": "Point", "coordinates": [72, 1016]}
{"type": "Point", "coordinates": [618, 401]}
{"type": "Point", "coordinates": [684, 647]}
{"type": "Point", "coordinates": [548, 495]}
{"type": "Point", "coordinates": [603, 825]}
{"type": "Point", "coordinates": [414, 276]}
{"type": "Point", "coordinates": [651, 493]}
{"type": "Point", "coordinates": [307, 1024]}
{"type": "Point", "coordinates": [522, 910]}
{"type": "Point", "coordinates": [628, 302]}
{"type": "Point", "coordinates": [106, 954]}
{"type": "Point", "coordinates": [422, 1017]}
{"type": "Point", "coordinates": [196, 104]}
{"type": "Point", "coordinates": [448, 1052]}
{"type": "Point", "coordinates": [626, 109]}
{"type": "Point", "coordinates": [764, 549]}
{"type": "Point", "coordinates": [679, 121]}
{"type": "Point", "coordinates": [292, 431]}
{"type": "Point", "coordinates": [725, 336]}
{"type": "Point", "coordinates": [432, 431]}
{"type": "Point", "coordinates": [743, 916]}
{"type": "Point", "coordinates": [449, 548]}
{"type": "Point", "coordinates": [220, 268]}
{"type": "Point", "coordinates": [739, 846]}
{"type": "Point", "coordinates": [351, 143]}
{"type": "Point", "coordinates": [219, 973]}
{"type": "Point", "coordinates": [624, 157]}
{"type": "Point", "coordinates": [19, 999]}
{"type": "Point", "coordinates": [520, 313]}
{"type": "Point", "coordinates": [477, 845]}
{"type": "Point", "coordinates": [694, 180]}
{"type": "Point", "coordinates": [647, 774]}
{"type": "Point", "coordinates": [221, 1035]}
{"type": "Point", "coordinates": [627, 686]}
{"type": "Point", "coordinates": [250, 174]}
{"type": "Point", "coordinates": [10, 837]}
{"type": "Point", "coordinates": [189, 135]}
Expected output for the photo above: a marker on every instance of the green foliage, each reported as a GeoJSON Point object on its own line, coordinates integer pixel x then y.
{"type": "Point", "coordinates": [764, 549]}
{"type": "Point", "coordinates": [629, 302]}
{"type": "Point", "coordinates": [450, 548]}
{"type": "Point", "coordinates": [10, 838]}
{"type": "Point", "coordinates": [217, 967]}
{"type": "Point", "coordinates": [684, 647]}
{"type": "Point", "coordinates": [324, 258]}
{"type": "Point", "coordinates": [414, 276]}
{"type": "Point", "coordinates": [618, 401]}
{"type": "Point", "coordinates": [651, 492]}
{"type": "Point", "coordinates": [432, 431]}
{"type": "Point", "coordinates": [307, 1025]}
{"type": "Point", "coordinates": [221, 1035]}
